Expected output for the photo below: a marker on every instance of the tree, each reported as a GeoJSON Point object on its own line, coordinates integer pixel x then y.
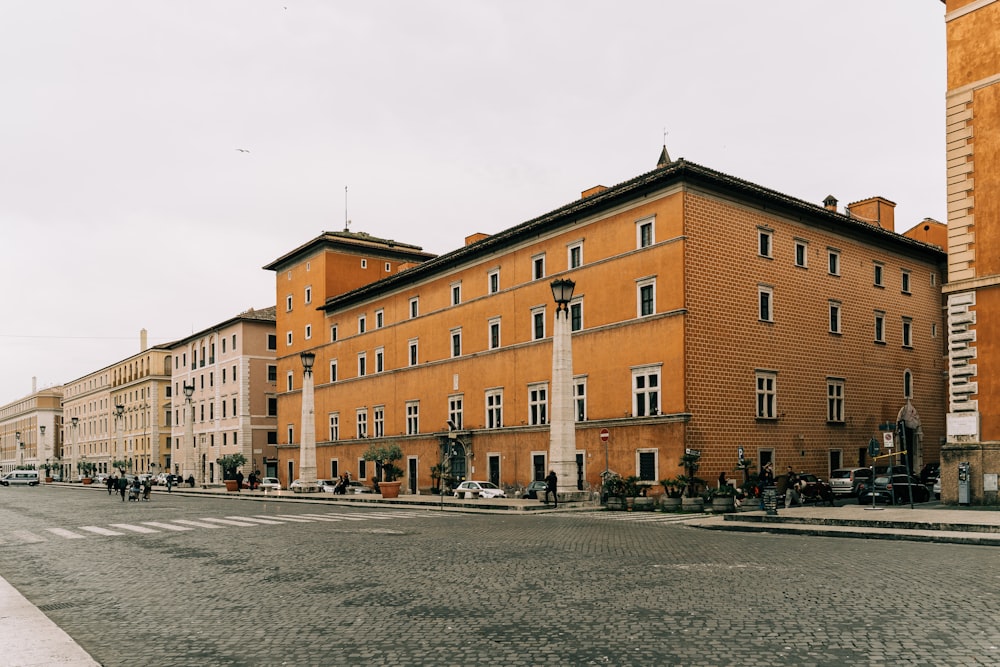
{"type": "Point", "coordinates": [385, 456]}
{"type": "Point", "coordinates": [230, 463]}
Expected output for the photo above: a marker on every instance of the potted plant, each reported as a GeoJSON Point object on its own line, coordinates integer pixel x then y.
{"type": "Point", "coordinates": [47, 467]}
{"type": "Point", "coordinates": [673, 490]}
{"type": "Point", "coordinates": [614, 491]}
{"type": "Point", "coordinates": [86, 469]}
{"type": "Point", "coordinates": [692, 501]}
{"type": "Point", "coordinates": [723, 499]}
{"type": "Point", "coordinates": [121, 466]}
{"type": "Point", "coordinates": [385, 457]}
{"type": "Point", "coordinates": [230, 464]}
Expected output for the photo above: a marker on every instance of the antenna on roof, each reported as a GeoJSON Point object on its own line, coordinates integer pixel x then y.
{"type": "Point", "coordinates": [664, 155]}
{"type": "Point", "coordinates": [347, 222]}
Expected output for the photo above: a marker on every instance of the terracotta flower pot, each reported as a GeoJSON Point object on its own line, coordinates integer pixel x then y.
{"type": "Point", "coordinates": [232, 485]}
{"type": "Point", "coordinates": [390, 489]}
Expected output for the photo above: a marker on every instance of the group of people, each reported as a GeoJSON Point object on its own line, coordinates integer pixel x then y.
{"type": "Point", "coordinates": [343, 483]}
{"type": "Point", "coordinates": [135, 490]}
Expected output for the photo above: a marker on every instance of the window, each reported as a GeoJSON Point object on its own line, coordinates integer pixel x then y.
{"type": "Point", "coordinates": [494, 333]}
{"type": "Point", "coordinates": [801, 254]}
{"type": "Point", "coordinates": [907, 384]}
{"type": "Point", "coordinates": [645, 391]}
{"type": "Point", "coordinates": [309, 294]}
{"type": "Point", "coordinates": [378, 421]}
{"type": "Point", "coordinates": [879, 276]}
{"type": "Point", "coordinates": [379, 359]}
{"type": "Point", "coordinates": [834, 262]}
{"type": "Point", "coordinates": [456, 294]}
{"type": "Point", "coordinates": [455, 411]}
{"type": "Point", "coordinates": [388, 267]}
{"type": "Point", "coordinates": [272, 406]}
{"type": "Point", "coordinates": [574, 255]}
{"type": "Point", "coordinates": [933, 332]}
{"type": "Point", "coordinates": [291, 433]}
{"type": "Point", "coordinates": [412, 345]}
{"type": "Point", "coordinates": [456, 342]}
{"type": "Point", "coordinates": [333, 333]}
{"type": "Point", "coordinates": [905, 281]}
{"type": "Point", "coordinates": [646, 296]}
{"type": "Point", "coordinates": [334, 426]}
{"type": "Point", "coordinates": [290, 381]}
{"type": "Point", "coordinates": [333, 370]}
{"type": "Point", "coordinates": [309, 331]}
{"type": "Point", "coordinates": [272, 342]}
{"type": "Point", "coordinates": [576, 315]}
{"type": "Point", "coordinates": [538, 267]}
{"type": "Point", "coordinates": [580, 399]}
{"type": "Point", "coordinates": [223, 416]}
{"type": "Point", "coordinates": [879, 327]}
{"type": "Point", "coordinates": [765, 302]}
{"type": "Point", "coordinates": [835, 317]}
{"type": "Point", "coordinates": [288, 302]}
{"type": "Point", "coordinates": [379, 318]}
{"type": "Point", "coordinates": [412, 417]}
{"type": "Point", "coordinates": [364, 264]}
{"type": "Point", "coordinates": [538, 402]}
{"type": "Point", "coordinates": [288, 338]}
{"type": "Point", "coordinates": [834, 400]}
{"type": "Point", "coordinates": [494, 408]}
{"type": "Point", "coordinates": [644, 233]}
{"type": "Point", "coordinates": [414, 307]}
{"type": "Point", "coordinates": [766, 394]}
{"type": "Point", "coordinates": [493, 281]}
{"type": "Point", "coordinates": [933, 279]}
{"type": "Point", "coordinates": [764, 240]}
{"type": "Point", "coordinates": [362, 324]}
{"type": "Point", "coordinates": [223, 376]}
{"type": "Point", "coordinates": [272, 373]}
{"type": "Point", "coordinates": [361, 423]}
{"type": "Point", "coordinates": [907, 332]}
{"type": "Point", "coordinates": [538, 323]}
{"type": "Point", "coordinates": [646, 464]}
{"type": "Point", "coordinates": [362, 364]}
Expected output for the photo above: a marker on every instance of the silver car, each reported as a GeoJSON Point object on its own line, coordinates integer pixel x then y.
{"type": "Point", "coordinates": [849, 481]}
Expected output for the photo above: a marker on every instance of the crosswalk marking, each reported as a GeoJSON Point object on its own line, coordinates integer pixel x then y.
{"type": "Point", "coordinates": [68, 534]}
{"type": "Point", "coordinates": [166, 526]}
{"type": "Point", "coordinates": [292, 518]}
{"type": "Point", "coordinates": [257, 520]}
{"type": "Point", "coordinates": [228, 522]}
{"type": "Point", "coordinates": [100, 531]}
{"type": "Point", "coordinates": [135, 529]}
{"type": "Point", "coordinates": [196, 524]}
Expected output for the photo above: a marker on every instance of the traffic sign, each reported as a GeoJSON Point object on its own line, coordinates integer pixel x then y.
{"type": "Point", "coordinates": [692, 452]}
{"type": "Point", "coordinates": [605, 435]}
{"type": "Point", "coordinates": [888, 439]}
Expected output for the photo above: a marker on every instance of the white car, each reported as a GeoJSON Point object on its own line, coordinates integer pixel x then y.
{"type": "Point", "coordinates": [269, 484]}
{"type": "Point", "coordinates": [473, 489]}
{"type": "Point", "coordinates": [327, 485]}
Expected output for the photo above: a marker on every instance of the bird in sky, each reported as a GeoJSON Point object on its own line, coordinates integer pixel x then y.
{"type": "Point", "coordinates": [243, 150]}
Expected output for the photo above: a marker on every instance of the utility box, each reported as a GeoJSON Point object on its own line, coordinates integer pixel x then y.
{"type": "Point", "coordinates": [964, 481]}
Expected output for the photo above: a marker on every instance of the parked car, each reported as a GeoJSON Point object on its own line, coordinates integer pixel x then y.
{"type": "Point", "coordinates": [29, 477]}
{"type": "Point", "coordinates": [298, 485]}
{"type": "Point", "coordinates": [894, 490]}
{"type": "Point", "coordinates": [354, 486]}
{"type": "Point", "coordinates": [269, 484]}
{"type": "Point", "coordinates": [474, 489]}
{"type": "Point", "coordinates": [327, 485]}
{"type": "Point", "coordinates": [536, 487]}
{"type": "Point", "coordinates": [848, 481]}
{"type": "Point", "coordinates": [936, 489]}
{"type": "Point", "coordinates": [144, 476]}
{"type": "Point", "coordinates": [930, 472]}
{"type": "Point", "coordinates": [100, 479]}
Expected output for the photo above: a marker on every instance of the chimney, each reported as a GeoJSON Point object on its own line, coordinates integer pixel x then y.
{"type": "Point", "coordinates": [475, 238]}
{"type": "Point", "coordinates": [877, 211]}
{"type": "Point", "coordinates": [143, 343]}
{"type": "Point", "coordinates": [34, 384]}
{"type": "Point", "coordinates": [597, 189]}
{"type": "Point", "coordinates": [830, 203]}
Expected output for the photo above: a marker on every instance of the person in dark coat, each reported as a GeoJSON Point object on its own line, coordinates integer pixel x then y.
{"type": "Point", "coordinates": [239, 480]}
{"type": "Point", "coordinates": [111, 483]}
{"type": "Point", "coordinates": [551, 484]}
{"type": "Point", "coordinates": [122, 486]}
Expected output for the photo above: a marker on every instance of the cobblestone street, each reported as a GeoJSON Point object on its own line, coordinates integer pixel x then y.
{"type": "Point", "coordinates": [214, 581]}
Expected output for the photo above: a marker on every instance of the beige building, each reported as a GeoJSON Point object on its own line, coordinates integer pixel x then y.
{"type": "Point", "coordinates": [30, 430]}
{"type": "Point", "coordinates": [233, 371]}
{"type": "Point", "coordinates": [121, 413]}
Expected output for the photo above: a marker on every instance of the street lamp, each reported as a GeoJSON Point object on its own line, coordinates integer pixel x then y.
{"type": "Point", "coordinates": [72, 453]}
{"type": "Point", "coordinates": [38, 454]}
{"type": "Point", "coordinates": [562, 429]}
{"type": "Point", "coordinates": [20, 448]}
{"type": "Point", "coordinates": [307, 444]}
{"type": "Point", "coordinates": [189, 432]}
{"type": "Point", "coordinates": [119, 413]}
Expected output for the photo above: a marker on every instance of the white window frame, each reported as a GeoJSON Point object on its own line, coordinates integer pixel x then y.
{"type": "Point", "coordinates": [309, 332]}
{"type": "Point", "coordinates": [333, 371]}
{"type": "Point", "coordinates": [647, 390]}
{"type": "Point", "coordinates": [362, 364]}
{"type": "Point", "coordinates": [640, 238]}
{"type": "Point", "coordinates": [878, 274]}
{"type": "Point", "coordinates": [361, 423]}
{"type": "Point", "coordinates": [907, 331]}
{"type": "Point", "coordinates": [576, 313]}
{"type": "Point", "coordinates": [493, 281]}
{"type": "Point", "coordinates": [640, 285]}
{"type": "Point", "coordinates": [333, 333]}
{"type": "Point", "coordinates": [765, 303]}
{"type": "Point", "coordinates": [836, 311]}
{"type": "Point", "coordinates": [388, 267]}
{"type": "Point", "coordinates": [835, 400]}
{"type": "Point", "coordinates": [364, 264]}
{"type": "Point", "coordinates": [414, 307]}
{"type": "Point", "coordinates": [766, 394]}
{"type": "Point", "coordinates": [905, 281]}
{"type": "Point", "coordinates": [765, 242]}
{"type": "Point", "coordinates": [412, 417]}
{"type": "Point", "coordinates": [379, 359]}
{"type": "Point", "coordinates": [538, 266]}
{"type": "Point", "coordinates": [879, 326]}
{"type": "Point", "coordinates": [801, 253]}
{"type": "Point", "coordinates": [334, 426]}
{"type": "Point", "coordinates": [362, 324]}
{"type": "Point", "coordinates": [494, 408]}
{"type": "Point", "coordinates": [288, 339]}
{"type": "Point", "coordinates": [288, 303]}
{"type": "Point", "coordinates": [574, 255]}
{"type": "Point", "coordinates": [538, 403]}
{"type": "Point", "coordinates": [833, 261]}
{"type": "Point", "coordinates": [379, 318]}
{"type": "Point", "coordinates": [580, 398]}
{"type": "Point", "coordinates": [456, 410]}
{"type": "Point", "coordinates": [491, 325]}
{"type": "Point", "coordinates": [907, 383]}
{"type": "Point", "coordinates": [290, 381]}
{"type": "Point", "coordinates": [378, 421]}
{"type": "Point", "coordinates": [537, 317]}
{"type": "Point", "coordinates": [456, 293]}
{"type": "Point", "coordinates": [455, 340]}
{"type": "Point", "coordinates": [309, 294]}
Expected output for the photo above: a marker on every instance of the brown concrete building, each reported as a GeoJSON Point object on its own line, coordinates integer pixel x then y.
{"type": "Point", "coordinates": [233, 370]}
{"type": "Point", "coordinates": [710, 313]}
{"type": "Point", "coordinates": [31, 431]}
{"type": "Point", "coordinates": [973, 289]}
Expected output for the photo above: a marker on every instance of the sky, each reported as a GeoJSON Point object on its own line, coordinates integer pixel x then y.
{"type": "Point", "coordinates": [155, 155]}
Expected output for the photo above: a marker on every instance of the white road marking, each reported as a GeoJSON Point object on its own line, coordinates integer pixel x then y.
{"type": "Point", "coordinates": [135, 529]}
{"type": "Point", "coordinates": [63, 532]}
{"type": "Point", "coordinates": [228, 522]}
{"type": "Point", "coordinates": [165, 526]}
{"type": "Point", "coordinates": [100, 531]}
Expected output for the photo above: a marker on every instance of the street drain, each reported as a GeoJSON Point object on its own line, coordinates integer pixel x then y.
{"type": "Point", "coordinates": [57, 605]}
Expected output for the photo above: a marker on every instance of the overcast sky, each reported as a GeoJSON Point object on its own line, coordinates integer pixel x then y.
{"type": "Point", "coordinates": [125, 202]}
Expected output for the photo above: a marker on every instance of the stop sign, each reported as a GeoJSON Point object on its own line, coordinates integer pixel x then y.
{"type": "Point", "coordinates": [605, 434]}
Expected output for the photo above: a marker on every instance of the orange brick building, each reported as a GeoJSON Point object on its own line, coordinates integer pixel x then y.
{"type": "Point", "coordinates": [973, 290]}
{"type": "Point", "coordinates": [709, 313]}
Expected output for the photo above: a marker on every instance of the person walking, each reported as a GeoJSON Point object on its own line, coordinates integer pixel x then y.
{"type": "Point", "coordinates": [239, 480]}
{"type": "Point", "coordinates": [551, 484]}
{"type": "Point", "coordinates": [110, 482]}
{"type": "Point", "coordinates": [170, 481]}
{"type": "Point", "coordinates": [122, 486]}
{"type": "Point", "coordinates": [147, 488]}
{"type": "Point", "coordinates": [792, 488]}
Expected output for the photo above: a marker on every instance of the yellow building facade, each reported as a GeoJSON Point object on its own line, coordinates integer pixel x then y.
{"type": "Point", "coordinates": [31, 431]}
{"type": "Point", "coordinates": [709, 313]}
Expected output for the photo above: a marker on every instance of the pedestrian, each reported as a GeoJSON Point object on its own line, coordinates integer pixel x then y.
{"type": "Point", "coordinates": [791, 488]}
{"type": "Point", "coordinates": [551, 484]}
{"type": "Point", "coordinates": [252, 479]}
{"type": "Point", "coordinates": [170, 481]}
{"type": "Point", "coordinates": [239, 480]}
{"type": "Point", "coordinates": [147, 488]}
{"type": "Point", "coordinates": [111, 483]}
{"type": "Point", "coordinates": [122, 486]}
{"type": "Point", "coordinates": [722, 479]}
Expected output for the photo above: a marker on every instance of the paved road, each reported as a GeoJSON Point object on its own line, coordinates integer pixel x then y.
{"type": "Point", "coordinates": [214, 581]}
